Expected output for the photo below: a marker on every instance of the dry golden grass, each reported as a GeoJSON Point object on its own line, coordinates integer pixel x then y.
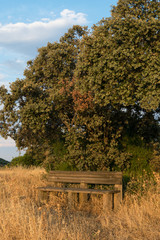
{"type": "Point", "coordinates": [23, 217]}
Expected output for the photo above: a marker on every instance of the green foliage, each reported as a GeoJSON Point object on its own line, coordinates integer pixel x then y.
{"type": "Point", "coordinates": [117, 85]}
{"type": "Point", "coordinates": [38, 107]}
{"type": "Point", "coordinates": [139, 152]}
{"type": "Point", "coordinates": [140, 184]}
{"type": "Point", "coordinates": [155, 160]}
{"type": "Point", "coordinates": [92, 101]}
{"type": "Point", "coordinates": [64, 166]}
{"type": "Point", "coordinates": [26, 161]}
{"type": "Point", "coordinates": [138, 177]}
{"type": "Point", "coordinates": [140, 158]}
{"type": "Point", "coordinates": [54, 157]}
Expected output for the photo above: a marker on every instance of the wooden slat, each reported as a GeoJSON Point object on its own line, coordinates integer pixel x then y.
{"type": "Point", "coordinates": [76, 190]}
{"type": "Point", "coordinates": [85, 177]}
{"type": "Point", "coordinates": [70, 179]}
{"type": "Point", "coordinates": [84, 173]}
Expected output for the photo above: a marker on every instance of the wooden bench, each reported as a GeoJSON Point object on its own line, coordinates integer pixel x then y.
{"type": "Point", "coordinates": [57, 181]}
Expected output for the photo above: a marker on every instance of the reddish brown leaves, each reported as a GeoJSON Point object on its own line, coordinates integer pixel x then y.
{"type": "Point", "coordinates": [82, 102]}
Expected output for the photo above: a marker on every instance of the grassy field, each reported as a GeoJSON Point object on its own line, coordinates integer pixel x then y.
{"type": "Point", "coordinates": [23, 217]}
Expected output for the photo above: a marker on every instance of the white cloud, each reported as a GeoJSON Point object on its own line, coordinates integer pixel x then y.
{"type": "Point", "coordinates": [27, 37]}
{"type": "Point", "coordinates": [71, 14]}
{"type": "Point", "coordinates": [7, 143]}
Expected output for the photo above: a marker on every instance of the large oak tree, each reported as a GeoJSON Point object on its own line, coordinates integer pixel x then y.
{"type": "Point", "coordinates": [98, 91]}
{"type": "Point", "coordinates": [118, 76]}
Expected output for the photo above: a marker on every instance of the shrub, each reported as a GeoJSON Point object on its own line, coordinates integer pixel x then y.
{"type": "Point", "coordinates": [140, 184]}
{"type": "Point", "coordinates": [26, 160]}
{"type": "Point", "coordinates": [155, 161]}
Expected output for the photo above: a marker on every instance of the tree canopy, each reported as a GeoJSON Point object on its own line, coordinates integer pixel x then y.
{"type": "Point", "coordinates": [97, 92]}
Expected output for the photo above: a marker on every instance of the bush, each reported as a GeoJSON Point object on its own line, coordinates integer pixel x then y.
{"type": "Point", "coordinates": [155, 161]}
{"type": "Point", "coordinates": [138, 177]}
{"type": "Point", "coordinates": [140, 184]}
{"type": "Point", "coordinates": [26, 161]}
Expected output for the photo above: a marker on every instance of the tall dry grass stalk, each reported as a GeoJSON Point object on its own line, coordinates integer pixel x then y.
{"type": "Point", "coordinates": [23, 217]}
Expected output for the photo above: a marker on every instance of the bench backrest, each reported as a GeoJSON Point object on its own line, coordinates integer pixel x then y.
{"type": "Point", "coordinates": [87, 177]}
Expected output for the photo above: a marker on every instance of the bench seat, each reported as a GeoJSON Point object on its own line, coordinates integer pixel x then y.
{"type": "Point", "coordinates": [76, 190]}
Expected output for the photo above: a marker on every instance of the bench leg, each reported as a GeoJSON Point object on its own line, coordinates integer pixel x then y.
{"type": "Point", "coordinates": [75, 198]}
{"type": "Point", "coordinates": [83, 197]}
{"type": "Point", "coordinates": [71, 199]}
{"type": "Point", "coordinates": [118, 196]}
{"type": "Point", "coordinates": [108, 202]}
{"type": "Point", "coordinates": [43, 196]}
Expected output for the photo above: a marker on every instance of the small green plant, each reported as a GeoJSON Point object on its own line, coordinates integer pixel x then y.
{"type": "Point", "coordinates": [138, 177]}
{"type": "Point", "coordinates": [155, 160]}
{"type": "Point", "coordinates": [141, 183]}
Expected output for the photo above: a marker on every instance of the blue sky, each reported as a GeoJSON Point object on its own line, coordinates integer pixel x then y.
{"type": "Point", "coordinates": [28, 25]}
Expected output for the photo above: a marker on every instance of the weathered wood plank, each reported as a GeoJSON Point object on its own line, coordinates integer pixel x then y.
{"type": "Point", "coordinates": [84, 176]}
{"type": "Point", "coordinates": [78, 179]}
{"type": "Point", "coordinates": [118, 198]}
{"type": "Point", "coordinates": [83, 196]}
{"type": "Point", "coordinates": [76, 190]}
{"type": "Point", "coordinates": [84, 173]}
{"type": "Point", "coordinates": [70, 199]}
{"type": "Point", "coordinates": [108, 202]}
